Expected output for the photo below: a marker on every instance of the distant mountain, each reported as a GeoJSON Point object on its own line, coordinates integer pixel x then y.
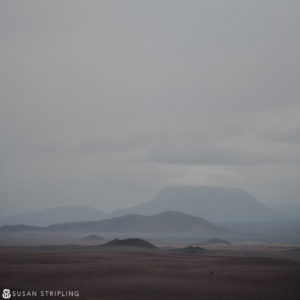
{"type": "Point", "coordinates": [165, 222]}
{"type": "Point", "coordinates": [132, 243]}
{"type": "Point", "coordinates": [54, 215]}
{"type": "Point", "coordinates": [216, 242]}
{"type": "Point", "coordinates": [216, 204]}
{"type": "Point", "coordinates": [20, 227]}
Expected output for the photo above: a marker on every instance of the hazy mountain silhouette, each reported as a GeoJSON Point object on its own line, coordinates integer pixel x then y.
{"type": "Point", "coordinates": [291, 210]}
{"type": "Point", "coordinates": [55, 215]}
{"type": "Point", "coordinates": [166, 222]}
{"type": "Point", "coordinates": [216, 242]}
{"type": "Point", "coordinates": [216, 204]}
{"type": "Point", "coordinates": [19, 227]}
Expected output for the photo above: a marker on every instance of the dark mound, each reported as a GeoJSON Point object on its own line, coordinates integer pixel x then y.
{"type": "Point", "coordinates": [192, 249]}
{"type": "Point", "coordinates": [93, 237]}
{"type": "Point", "coordinates": [134, 243]}
{"type": "Point", "coordinates": [216, 241]}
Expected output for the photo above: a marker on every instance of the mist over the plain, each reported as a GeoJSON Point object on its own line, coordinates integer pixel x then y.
{"type": "Point", "coordinates": [104, 103]}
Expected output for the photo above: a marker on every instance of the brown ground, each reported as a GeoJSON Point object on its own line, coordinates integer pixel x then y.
{"type": "Point", "coordinates": [115, 275]}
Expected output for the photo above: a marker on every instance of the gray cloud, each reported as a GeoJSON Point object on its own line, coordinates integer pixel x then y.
{"type": "Point", "coordinates": [288, 136]}
{"type": "Point", "coordinates": [207, 153]}
{"type": "Point", "coordinates": [108, 101]}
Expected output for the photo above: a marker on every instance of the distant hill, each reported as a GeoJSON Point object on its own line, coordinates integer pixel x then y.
{"type": "Point", "coordinates": [216, 242]}
{"type": "Point", "coordinates": [93, 237]}
{"type": "Point", "coordinates": [165, 222]}
{"type": "Point", "coordinates": [54, 215]}
{"type": "Point", "coordinates": [215, 204]}
{"type": "Point", "coordinates": [132, 243]}
{"type": "Point", "coordinates": [191, 249]}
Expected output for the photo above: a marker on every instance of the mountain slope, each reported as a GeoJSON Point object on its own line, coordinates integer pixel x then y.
{"type": "Point", "coordinates": [215, 204]}
{"type": "Point", "coordinates": [55, 215]}
{"type": "Point", "coordinates": [291, 210]}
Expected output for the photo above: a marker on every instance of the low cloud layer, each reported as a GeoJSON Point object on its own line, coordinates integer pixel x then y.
{"type": "Point", "coordinates": [231, 151]}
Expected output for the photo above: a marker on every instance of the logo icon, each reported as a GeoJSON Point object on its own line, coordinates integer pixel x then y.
{"type": "Point", "coordinates": [6, 294]}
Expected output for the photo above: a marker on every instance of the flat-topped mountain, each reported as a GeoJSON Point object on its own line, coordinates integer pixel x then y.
{"type": "Point", "coordinates": [215, 204]}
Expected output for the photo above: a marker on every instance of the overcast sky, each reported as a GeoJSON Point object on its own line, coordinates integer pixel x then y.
{"type": "Point", "coordinates": [103, 103]}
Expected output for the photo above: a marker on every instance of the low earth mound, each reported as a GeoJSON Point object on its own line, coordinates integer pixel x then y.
{"type": "Point", "coordinates": [93, 237]}
{"type": "Point", "coordinates": [134, 243]}
{"type": "Point", "coordinates": [217, 241]}
{"type": "Point", "coordinates": [192, 249]}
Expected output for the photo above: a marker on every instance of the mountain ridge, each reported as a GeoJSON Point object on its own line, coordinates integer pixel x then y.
{"type": "Point", "coordinates": [58, 214]}
{"type": "Point", "coordinates": [165, 222]}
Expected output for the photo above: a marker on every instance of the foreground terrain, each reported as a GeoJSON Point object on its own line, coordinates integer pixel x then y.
{"type": "Point", "coordinates": [159, 274]}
